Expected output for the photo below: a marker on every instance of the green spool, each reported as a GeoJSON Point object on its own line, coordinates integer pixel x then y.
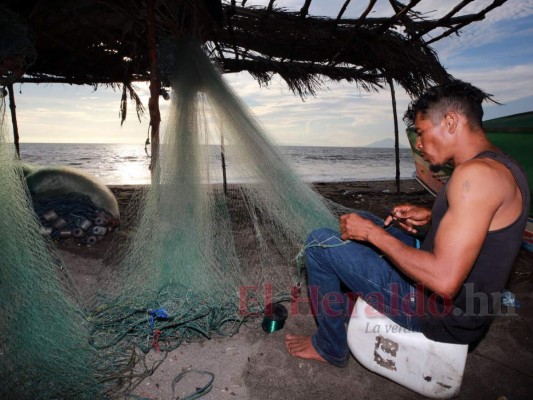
{"type": "Point", "coordinates": [275, 316]}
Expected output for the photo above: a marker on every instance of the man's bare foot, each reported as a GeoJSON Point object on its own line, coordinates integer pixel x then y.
{"type": "Point", "coordinates": [301, 347]}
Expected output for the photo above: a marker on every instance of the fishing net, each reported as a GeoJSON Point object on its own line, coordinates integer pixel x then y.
{"type": "Point", "coordinates": [202, 254]}
{"type": "Point", "coordinates": [44, 337]}
{"type": "Point", "coordinates": [195, 257]}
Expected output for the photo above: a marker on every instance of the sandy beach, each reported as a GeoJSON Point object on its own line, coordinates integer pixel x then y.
{"type": "Point", "coordinates": [255, 365]}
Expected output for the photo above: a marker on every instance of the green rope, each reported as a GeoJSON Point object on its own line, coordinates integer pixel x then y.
{"type": "Point", "coordinates": [199, 391]}
{"type": "Point", "coordinates": [314, 243]}
{"type": "Point", "coordinates": [115, 324]}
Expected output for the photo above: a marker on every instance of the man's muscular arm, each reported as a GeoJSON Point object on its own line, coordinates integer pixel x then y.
{"type": "Point", "coordinates": [474, 195]}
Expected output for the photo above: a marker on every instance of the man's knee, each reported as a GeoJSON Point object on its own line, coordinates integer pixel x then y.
{"type": "Point", "coordinates": [320, 235]}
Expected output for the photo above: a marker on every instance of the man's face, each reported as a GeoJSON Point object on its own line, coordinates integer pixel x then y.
{"type": "Point", "coordinates": [429, 140]}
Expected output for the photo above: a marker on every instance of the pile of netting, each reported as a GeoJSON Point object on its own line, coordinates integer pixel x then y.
{"type": "Point", "coordinates": [198, 259]}
{"type": "Point", "coordinates": [202, 257]}
{"type": "Point", "coordinates": [44, 336]}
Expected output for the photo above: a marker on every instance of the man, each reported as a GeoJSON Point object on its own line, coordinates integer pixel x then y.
{"type": "Point", "coordinates": [448, 287]}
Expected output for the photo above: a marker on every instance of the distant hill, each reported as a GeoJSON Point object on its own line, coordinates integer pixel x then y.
{"type": "Point", "coordinates": [385, 144]}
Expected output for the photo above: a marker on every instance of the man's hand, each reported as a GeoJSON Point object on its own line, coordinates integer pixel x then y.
{"type": "Point", "coordinates": [409, 217]}
{"type": "Point", "coordinates": [354, 227]}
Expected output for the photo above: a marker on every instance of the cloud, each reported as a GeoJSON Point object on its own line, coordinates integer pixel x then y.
{"type": "Point", "coordinates": [499, 25]}
{"type": "Point", "coordinates": [61, 113]}
{"type": "Point", "coordinates": [341, 115]}
{"type": "Point", "coordinates": [507, 84]}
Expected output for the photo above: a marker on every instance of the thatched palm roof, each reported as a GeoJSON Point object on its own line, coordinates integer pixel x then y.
{"type": "Point", "coordinates": [106, 41]}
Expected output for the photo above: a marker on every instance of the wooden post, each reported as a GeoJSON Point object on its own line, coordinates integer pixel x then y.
{"type": "Point", "coordinates": [155, 86]}
{"type": "Point", "coordinates": [223, 157]}
{"type": "Point", "coordinates": [12, 106]}
{"type": "Point", "coordinates": [396, 134]}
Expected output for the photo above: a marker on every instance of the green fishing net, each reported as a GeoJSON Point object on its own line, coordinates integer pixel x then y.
{"type": "Point", "coordinates": [198, 257]}
{"type": "Point", "coordinates": [44, 338]}
{"type": "Point", "coordinates": [201, 257]}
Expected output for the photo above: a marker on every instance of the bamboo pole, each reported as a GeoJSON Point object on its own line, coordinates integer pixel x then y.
{"type": "Point", "coordinates": [13, 107]}
{"type": "Point", "coordinates": [155, 86]}
{"type": "Point", "coordinates": [396, 134]}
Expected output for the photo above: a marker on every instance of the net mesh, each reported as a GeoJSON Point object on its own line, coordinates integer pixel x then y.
{"type": "Point", "coordinates": [197, 259]}
{"type": "Point", "coordinates": [199, 251]}
{"type": "Point", "coordinates": [44, 347]}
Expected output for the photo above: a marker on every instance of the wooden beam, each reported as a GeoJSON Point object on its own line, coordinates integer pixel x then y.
{"type": "Point", "coordinates": [444, 20]}
{"type": "Point", "coordinates": [366, 12]}
{"type": "Point", "coordinates": [397, 17]}
{"type": "Point", "coordinates": [13, 107]}
{"type": "Point", "coordinates": [155, 86]}
{"type": "Point", "coordinates": [223, 159]}
{"type": "Point", "coordinates": [341, 12]}
{"type": "Point", "coordinates": [358, 22]}
{"type": "Point", "coordinates": [305, 9]}
{"type": "Point", "coordinates": [396, 133]}
{"type": "Point", "coordinates": [478, 17]}
{"type": "Point", "coordinates": [68, 81]}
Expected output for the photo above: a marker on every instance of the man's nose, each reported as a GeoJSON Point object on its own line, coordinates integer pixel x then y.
{"type": "Point", "coordinates": [418, 143]}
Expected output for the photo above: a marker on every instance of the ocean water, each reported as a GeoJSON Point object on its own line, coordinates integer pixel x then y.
{"type": "Point", "coordinates": [127, 164]}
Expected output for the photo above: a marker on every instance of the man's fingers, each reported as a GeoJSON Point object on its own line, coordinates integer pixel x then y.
{"type": "Point", "coordinates": [415, 222]}
{"type": "Point", "coordinates": [345, 217]}
{"type": "Point", "coordinates": [407, 227]}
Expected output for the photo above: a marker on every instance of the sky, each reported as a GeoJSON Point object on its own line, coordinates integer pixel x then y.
{"type": "Point", "coordinates": [494, 54]}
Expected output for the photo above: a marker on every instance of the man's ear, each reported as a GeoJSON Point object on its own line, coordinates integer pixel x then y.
{"type": "Point", "coordinates": [451, 119]}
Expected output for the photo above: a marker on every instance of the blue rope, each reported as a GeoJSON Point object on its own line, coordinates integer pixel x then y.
{"type": "Point", "coordinates": [159, 313]}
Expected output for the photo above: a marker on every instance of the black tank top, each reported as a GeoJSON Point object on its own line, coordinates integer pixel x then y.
{"type": "Point", "coordinates": [466, 318]}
